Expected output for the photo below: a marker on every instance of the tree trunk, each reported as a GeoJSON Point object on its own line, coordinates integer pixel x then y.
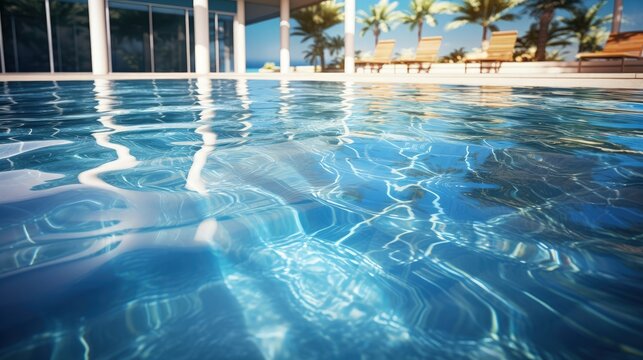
{"type": "Point", "coordinates": [616, 16]}
{"type": "Point", "coordinates": [581, 43]}
{"type": "Point", "coordinates": [420, 31]}
{"type": "Point", "coordinates": [377, 36]}
{"type": "Point", "coordinates": [543, 30]}
{"type": "Point", "coordinates": [320, 45]}
{"type": "Point", "coordinates": [484, 33]}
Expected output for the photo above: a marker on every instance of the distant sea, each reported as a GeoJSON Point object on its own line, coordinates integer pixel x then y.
{"type": "Point", "coordinates": [253, 66]}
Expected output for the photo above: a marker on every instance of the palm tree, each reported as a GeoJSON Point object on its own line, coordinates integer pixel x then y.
{"type": "Point", "coordinates": [484, 13]}
{"type": "Point", "coordinates": [423, 11]}
{"type": "Point", "coordinates": [544, 11]}
{"type": "Point", "coordinates": [587, 26]}
{"type": "Point", "coordinates": [557, 36]}
{"type": "Point", "coordinates": [313, 21]}
{"type": "Point", "coordinates": [455, 56]}
{"type": "Point", "coordinates": [335, 46]}
{"type": "Point", "coordinates": [313, 53]}
{"type": "Point", "coordinates": [381, 17]}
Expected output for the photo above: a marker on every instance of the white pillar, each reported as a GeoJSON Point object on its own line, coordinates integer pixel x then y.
{"type": "Point", "coordinates": [349, 36]}
{"type": "Point", "coordinates": [201, 37]}
{"type": "Point", "coordinates": [50, 41]}
{"type": "Point", "coordinates": [98, 37]}
{"type": "Point", "coordinates": [239, 38]}
{"type": "Point", "coordinates": [616, 16]}
{"type": "Point", "coordinates": [284, 31]}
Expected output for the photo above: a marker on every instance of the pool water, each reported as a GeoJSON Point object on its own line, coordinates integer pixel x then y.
{"type": "Point", "coordinates": [318, 220]}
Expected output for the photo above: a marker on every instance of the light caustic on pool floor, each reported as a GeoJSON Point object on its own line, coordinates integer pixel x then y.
{"type": "Point", "coordinates": [323, 220]}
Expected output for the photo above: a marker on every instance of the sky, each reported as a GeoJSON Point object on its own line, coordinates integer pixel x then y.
{"type": "Point", "coordinates": [262, 39]}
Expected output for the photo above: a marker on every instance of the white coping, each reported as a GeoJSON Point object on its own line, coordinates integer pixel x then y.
{"type": "Point", "coordinates": [566, 80]}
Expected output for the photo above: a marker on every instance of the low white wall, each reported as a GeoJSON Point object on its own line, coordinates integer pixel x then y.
{"type": "Point", "coordinates": [305, 69]}
{"type": "Point", "coordinates": [596, 80]}
{"type": "Point", "coordinates": [545, 67]}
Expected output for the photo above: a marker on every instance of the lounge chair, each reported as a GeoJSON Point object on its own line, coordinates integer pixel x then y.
{"type": "Point", "coordinates": [426, 52]}
{"type": "Point", "coordinates": [381, 57]}
{"type": "Point", "coordinates": [501, 49]}
{"type": "Point", "coordinates": [626, 45]}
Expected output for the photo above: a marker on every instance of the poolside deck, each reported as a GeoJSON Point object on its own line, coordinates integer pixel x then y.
{"type": "Point", "coordinates": [563, 80]}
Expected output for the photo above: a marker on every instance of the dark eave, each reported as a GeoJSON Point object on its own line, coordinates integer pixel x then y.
{"type": "Point", "coordinates": [260, 10]}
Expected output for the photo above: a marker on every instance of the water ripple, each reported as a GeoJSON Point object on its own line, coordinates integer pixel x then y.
{"type": "Point", "coordinates": [277, 219]}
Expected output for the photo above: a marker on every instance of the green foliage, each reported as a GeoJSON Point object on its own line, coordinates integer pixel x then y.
{"type": "Point", "coordinates": [335, 44]}
{"type": "Point", "coordinates": [313, 20]}
{"type": "Point", "coordinates": [314, 52]}
{"type": "Point", "coordinates": [484, 13]}
{"type": "Point", "coordinates": [455, 56]}
{"type": "Point", "coordinates": [587, 27]}
{"type": "Point", "coordinates": [539, 7]}
{"type": "Point", "coordinates": [557, 37]}
{"type": "Point", "coordinates": [544, 10]}
{"type": "Point", "coordinates": [423, 12]}
{"type": "Point", "coordinates": [312, 23]}
{"type": "Point", "coordinates": [381, 18]}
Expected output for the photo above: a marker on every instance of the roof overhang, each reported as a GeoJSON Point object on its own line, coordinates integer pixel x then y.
{"type": "Point", "coordinates": [260, 10]}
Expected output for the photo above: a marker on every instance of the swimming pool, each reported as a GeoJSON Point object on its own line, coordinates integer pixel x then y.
{"type": "Point", "coordinates": [266, 219]}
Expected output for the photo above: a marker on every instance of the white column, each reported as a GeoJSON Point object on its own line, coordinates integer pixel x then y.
{"type": "Point", "coordinates": [201, 37]}
{"type": "Point", "coordinates": [616, 16]}
{"type": "Point", "coordinates": [284, 31]}
{"type": "Point", "coordinates": [98, 37]}
{"type": "Point", "coordinates": [349, 36]}
{"type": "Point", "coordinates": [50, 41]}
{"type": "Point", "coordinates": [239, 38]}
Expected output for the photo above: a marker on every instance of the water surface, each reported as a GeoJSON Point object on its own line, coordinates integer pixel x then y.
{"type": "Point", "coordinates": [265, 219]}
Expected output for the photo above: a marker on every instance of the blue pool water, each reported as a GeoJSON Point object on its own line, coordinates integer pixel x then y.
{"type": "Point", "coordinates": [317, 220]}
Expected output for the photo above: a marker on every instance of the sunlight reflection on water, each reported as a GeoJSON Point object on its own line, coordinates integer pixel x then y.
{"type": "Point", "coordinates": [250, 219]}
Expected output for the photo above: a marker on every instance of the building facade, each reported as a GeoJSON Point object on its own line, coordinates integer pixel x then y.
{"type": "Point", "coordinates": [104, 36]}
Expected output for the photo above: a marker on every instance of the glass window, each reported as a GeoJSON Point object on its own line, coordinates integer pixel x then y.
{"type": "Point", "coordinates": [226, 52]}
{"type": "Point", "coordinates": [169, 39]}
{"type": "Point", "coordinates": [212, 38]}
{"type": "Point", "coordinates": [70, 35]}
{"type": "Point", "coordinates": [24, 32]}
{"type": "Point", "coordinates": [192, 61]}
{"type": "Point", "coordinates": [130, 37]}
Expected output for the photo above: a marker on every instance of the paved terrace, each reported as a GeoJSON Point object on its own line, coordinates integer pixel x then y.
{"type": "Point", "coordinates": [542, 75]}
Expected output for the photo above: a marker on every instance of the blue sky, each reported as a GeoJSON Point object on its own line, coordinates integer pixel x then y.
{"type": "Point", "coordinates": [263, 37]}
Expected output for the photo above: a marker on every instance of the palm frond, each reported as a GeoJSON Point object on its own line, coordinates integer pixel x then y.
{"type": "Point", "coordinates": [381, 17]}
{"type": "Point", "coordinates": [457, 24]}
